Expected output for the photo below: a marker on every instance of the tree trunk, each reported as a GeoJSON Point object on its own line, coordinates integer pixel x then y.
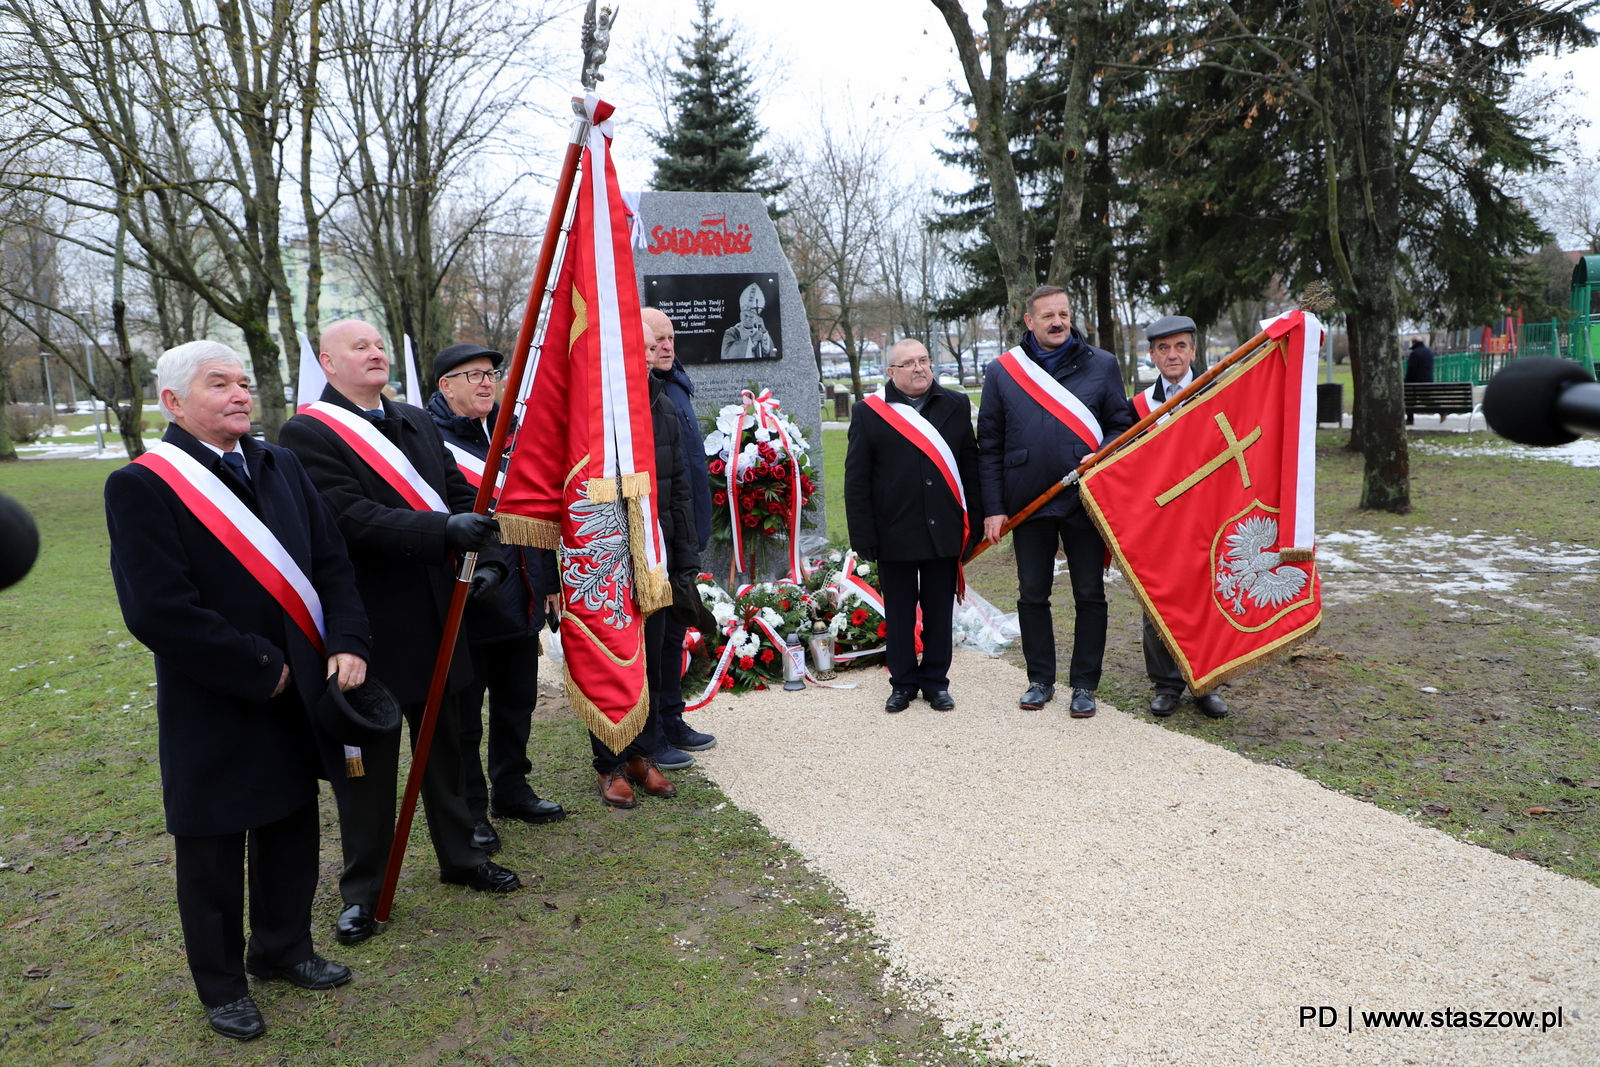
{"type": "Point", "coordinates": [8, 447]}
{"type": "Point", "coordinates": [1363, 41]}
{"type": "Point", "coordinates": [1084, 29]}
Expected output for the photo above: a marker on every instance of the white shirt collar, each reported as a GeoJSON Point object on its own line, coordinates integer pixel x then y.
{"type": "Point", "coordinates": [217, 450]}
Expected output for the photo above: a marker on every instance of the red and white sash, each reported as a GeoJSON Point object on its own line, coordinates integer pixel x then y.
{"type": "Point", "coordinates": [1144, 403]}
{"type": "Point", "coordinates": [471, 467]}
{"type": "Point", "coordinates": [931, 443]}
{"type": "Point", "coordinates": [379, 453]}
{"type": "Point", "coordinates": [1051, 395]}
{"type": "Point", "coordinates": [242, 533]}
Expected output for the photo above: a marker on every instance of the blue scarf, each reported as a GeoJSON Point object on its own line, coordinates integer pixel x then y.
{"type": "Point", "coordinates": [1050, 360]}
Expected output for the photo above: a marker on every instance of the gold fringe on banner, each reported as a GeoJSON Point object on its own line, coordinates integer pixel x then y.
{"type": "Point", "coordinates": [354, 768]}
{"type": "Point", "coordinates": [649, 584]}
{"type": "Point", "coordinates": [614, 735]}
{"type": "Point", "coordinates": [1297, 555]}
{"type": "Point", "coordinates": [604, 490]}
{"type": "Point", "coordinates": [534, 533]}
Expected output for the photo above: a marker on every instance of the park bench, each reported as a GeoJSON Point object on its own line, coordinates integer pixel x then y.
{"type": "Point", "coordinates": [1438, 398]}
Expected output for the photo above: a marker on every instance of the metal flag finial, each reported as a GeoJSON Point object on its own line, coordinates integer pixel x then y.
{"type": "Point", "coordinates": [596, 39]}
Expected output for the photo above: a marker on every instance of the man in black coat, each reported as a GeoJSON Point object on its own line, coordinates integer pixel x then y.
{"type": "Point", "coordinates": [1024, 448]}
{"type": "Point", "coordinates": [404, 570]}
{"type": "Point", "coordinates": [236, 676]}
{"type": "Point", "coordinates": [639, 764]}
{"type": "Point", "coordinates": [679, 390]}
{"type": "Point", "coordinates": [903, 514]}
{"type": "Point", "coordinates": [1419, 362]}
{"type": "Point", "coordinates": [503, 630]}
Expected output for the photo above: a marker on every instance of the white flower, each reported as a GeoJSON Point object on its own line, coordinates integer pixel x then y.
{"type": "Point", "coordinates": [716, 443]}
{"type": "Point", "coordinates": [836, 624]}
{"type": "Point", "coordinates": [750, 646]}
{"type": "Point", "coordinates": [863, 570]}
{"type": "Point", "coordinates": [763, 435]}
{"type": "Point", "coordinates": [834, 557]}
{"type": "Point", "coordinates": [722, 611]}
{"type": "Point", "coordinates": [771, 618]}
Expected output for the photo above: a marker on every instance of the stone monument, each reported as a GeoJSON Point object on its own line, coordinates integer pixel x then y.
{"type": "Point", "coordinates": [713, 264]}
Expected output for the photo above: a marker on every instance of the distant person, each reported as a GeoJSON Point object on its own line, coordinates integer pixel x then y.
{"type": "Point", "coordinates": [749, 339]}
{"type": "Point", "coordinates": [908, 515]}
{"type": "Point", "coordinates": [503, 630]}
{"type": "Point", "coordinates": [1419, 363]}
{"type": "Point", "coordinates": [1047, 404]}
{"type": "Point", "coordinates": [1172, 350]}
{"type": "Point", "coordinates": [238, 670]}
{"type": "Point", "coordinates": [405, 510]}
{"type": "Point", "coordinates": [676, 387]}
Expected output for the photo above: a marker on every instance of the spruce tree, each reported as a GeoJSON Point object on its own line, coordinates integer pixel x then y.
{"type": "Point", "coordinates": [711, 145]}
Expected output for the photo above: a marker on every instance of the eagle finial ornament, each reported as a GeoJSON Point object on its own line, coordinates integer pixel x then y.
{"type": "Point", "coordinates": [596, 40]}
{"type": "Point", "coordinates": [1250, 570]}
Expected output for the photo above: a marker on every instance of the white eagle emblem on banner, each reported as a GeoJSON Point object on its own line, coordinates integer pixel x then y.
{"type": "Point", "coordinates": [1248, 569]}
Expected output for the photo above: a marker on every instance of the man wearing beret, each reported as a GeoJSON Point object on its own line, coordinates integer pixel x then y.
{"type": "Point", "coordinates": [503, 630]}
{"type": "Point", "coordinates": [1172, 350]}
{"type": "Point", "coordinates": [230, 569]}
{"type": "Point", "coordinates": [406, 514]}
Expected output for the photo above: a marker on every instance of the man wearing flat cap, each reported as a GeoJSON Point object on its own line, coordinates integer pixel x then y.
{"type": "Point", "coordinates": [503, 630]}
{"type": "Point", "coordinates": [229, 567]}
{"type": "Point", "coordinates": [1172, 350]}
{"type": "Point", "coordinates": [406, 514]}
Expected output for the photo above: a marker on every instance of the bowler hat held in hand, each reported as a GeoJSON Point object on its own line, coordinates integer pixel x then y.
{"type": "Point", "coordinates": [358, 716]}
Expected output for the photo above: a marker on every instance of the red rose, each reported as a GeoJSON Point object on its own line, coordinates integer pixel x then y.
{"type": "Point", "coordinates": [883, 629]}
{"type": "Point", "coordinates": [858, 616]}
{"type": "Point", "coordinates": [775, 506]}
{"type": "Point", "coordinates": [761, 685]}
{"type": "Point", "coordinates": [807, 484]}
{"type": "Point", "coordinates": [745, 663]}
{"type": "Point", "coordinates": [766, 451]}
{"type": "Point", "coordinates": [727, 681]}
{"type": "Point", "coordinates": [749, 520]}
{"type": "Point", "coordinates": [749, 475]}
{"type": "Point", "coordinates": [763, 471]}
{"type": "Point", "coordinates": [767, 655]}
{"type": "Point", "coordinates": [719, 498]}
{"type": "Point", "coordinates": [783, 605]}
{"type": "Point", "coordinates": [716, 466]}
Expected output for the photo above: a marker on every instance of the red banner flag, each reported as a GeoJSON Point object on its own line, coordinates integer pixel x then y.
{"type": "Point", "coordinates": [582, 479]}
{"type": "Point", "coordinates": [1209, 513]}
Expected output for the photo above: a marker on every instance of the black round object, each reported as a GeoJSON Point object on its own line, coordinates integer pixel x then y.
{"type": "Point", "coordinates": [19, 542]}
{"type": "Point", "coordinates": [1519, 403]}
{"type": "Point", "coordinates": [360, 716]}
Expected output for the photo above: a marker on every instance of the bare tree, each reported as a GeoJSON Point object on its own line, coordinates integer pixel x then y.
{"type": "Point", "coordinates": [1567, 199]}
{"type": "Point", "coordinates": [488, 289]}
{"type": "Point", "coordinates": [425, 89]}
{"type": "Point", "coordinates": [835, 218]}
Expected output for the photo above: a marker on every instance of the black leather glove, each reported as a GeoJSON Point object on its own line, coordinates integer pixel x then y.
{"type": "Point", "coordinates": [469, 531]}
{"type": "Point", "coordinates": [485, 585]}
{"type": "Point", "coordinates": [867, 555]}
{"type": "Point", "coordinates": [685, 599]}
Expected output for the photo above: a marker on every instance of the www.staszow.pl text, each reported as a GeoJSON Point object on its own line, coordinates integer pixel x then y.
{"type": "Point", "coordinates": [1326, 1016]}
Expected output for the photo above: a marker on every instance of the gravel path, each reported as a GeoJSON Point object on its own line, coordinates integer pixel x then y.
{"type": "Point", "coordinates": [1104, 891]}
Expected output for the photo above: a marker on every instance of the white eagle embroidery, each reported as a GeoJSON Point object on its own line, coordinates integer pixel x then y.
{"type": "Point", "coordinates": [1249, 570]}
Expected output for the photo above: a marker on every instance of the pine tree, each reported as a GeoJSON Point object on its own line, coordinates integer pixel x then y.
{"type": "Point", "coordinates": [711, 145]}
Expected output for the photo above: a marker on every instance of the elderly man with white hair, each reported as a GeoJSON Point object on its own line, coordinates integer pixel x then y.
{"type": "Point", "coordinates": [229, 567]}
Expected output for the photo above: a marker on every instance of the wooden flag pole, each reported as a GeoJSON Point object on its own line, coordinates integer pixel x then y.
{"type": "Point", "coordinates": [555, 229]}
{"type": "Point", "coordinates": [1072, 478]}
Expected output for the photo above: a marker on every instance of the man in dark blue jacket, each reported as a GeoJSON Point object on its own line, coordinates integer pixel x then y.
{"type": "Point", "coordinates": [1046, 405]}
{"type": "Point", "coordinates": [502, 631]}
{"type": "Point", "coordinates": [665, 368]}
{"type": "Point", "coordinates": [237, 675]}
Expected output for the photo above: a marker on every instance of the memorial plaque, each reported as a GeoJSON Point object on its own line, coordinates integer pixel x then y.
{"type": "Point", "coordinates": [720, 317]}
{"type": "Point", "coordinates": [702, 254]}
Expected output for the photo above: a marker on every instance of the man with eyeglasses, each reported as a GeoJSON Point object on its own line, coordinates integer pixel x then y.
{"type": "Point", "coordinates": [1172, 351]}
{"type": "Point", "coordinates": [502, 630]}
{"type": "Point", "coordinates": [911, 461]}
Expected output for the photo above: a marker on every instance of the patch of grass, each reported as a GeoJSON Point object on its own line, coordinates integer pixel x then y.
{"type": "Point", "coordinates": [1507, 753]}
{"type": "Point", "coordinates": [681, 932]}
{"type": "Point", "coordinates": [834, 443]}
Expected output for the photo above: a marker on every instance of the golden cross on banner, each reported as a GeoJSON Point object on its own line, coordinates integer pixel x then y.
{"type": "Point", "coordinates": [1234, 452]}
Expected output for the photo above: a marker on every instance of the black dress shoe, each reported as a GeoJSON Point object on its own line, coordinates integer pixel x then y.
{"type": "Point", "coordinates": [485, 837]}
{"type": "Point", "coordinates": [1082, 704]}
{"type": "Point", "coordinates": [1038, 695]}
{"type": "Point", "coordinates": [355, 925]}
{"type": "Point", "coordinates": [1163, 704]}
{"type": "Point", "coordinates": [1212, 705]}
{"type": "Point", "coordinates": [315, 973]}
{"type": "Point", "coordinates": [487, 877]}
{"type": "Point", "coordinates": [941, 700]}
{"type": "Point", "coordinates": [240, 1020]}
{"type": "Point", "coordinates": [899, 700]}
{"type": "Point", "coordinates": [535, 810]}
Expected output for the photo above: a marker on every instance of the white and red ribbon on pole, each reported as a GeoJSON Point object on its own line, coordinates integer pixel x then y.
{"type": "Point", "coordinates": [766, 418]}
{"type": "Point", "coordinates": [242, 533]}
{"type": "Point", "coordinates": [379, 453]}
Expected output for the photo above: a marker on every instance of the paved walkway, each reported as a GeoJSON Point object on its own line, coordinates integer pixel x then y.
{"type": "Point", "coordinates": [1109, 892]}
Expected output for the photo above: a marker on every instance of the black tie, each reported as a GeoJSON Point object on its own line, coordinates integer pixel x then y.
{"type": "Point", "coordinates": [235, 463]}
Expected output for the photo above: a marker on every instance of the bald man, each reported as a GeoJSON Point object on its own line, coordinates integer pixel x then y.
{"type": "Point", "coordinates": [406, 518]}
{"type": "Point", "coordinates": [676, 388]}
